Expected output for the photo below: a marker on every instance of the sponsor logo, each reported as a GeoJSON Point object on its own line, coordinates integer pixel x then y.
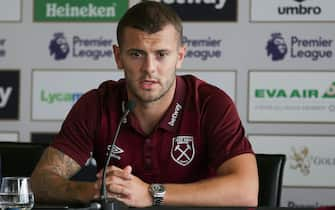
{"type": "Point", "coordinates": [292, 96]}
{"type": "Point", "coordinates": [5, 93]}
{"type": "Point", "coordinates": [9, 94]}
{"type": "Point", "coordinates": [175, 115]}
{"type": "Point", "coordinates": [292, 10]}
{"type": "Point", "coordinates": [276, 47]}
{"type": "Point", "coordinates": [115, 151]}
{"type": "Point", "coordinates": [79, 11]}
{"type": "Point", "coordinates": [91, 48]}
{"type": "Point", "coordinates": [215, 10]}
{"type": "Point", "coordinates": [299, 9]}
{"type": "Point", "coordinates": [54, 97]}
{"type": "Point", "coordinates": [2, 49]}
{"type": "Point", "coordinates": [182, 150]}
{"type": "Point", "coordinates": [203, 49]}
{"type": "Point", "coordinates": [299, 161]}
{"type": "Point", "coordinates": [330, 92]}
{"type": "Point", "coordinates": [51, 101]}
{"type": "Point", "coordinates": [299, 48]}
{"type": "Point", "coordinates": [217, 4]}
{"type": "Point", "coordinates": [303, 161]}
{"type": "Point", "coordinates": [295, 93]}
{"type": "Point", "coordinates": [59, 47]}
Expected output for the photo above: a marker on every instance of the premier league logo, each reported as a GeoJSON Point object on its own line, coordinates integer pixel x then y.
{"type": "Point", "coordinates": [182, 150]}
{"type": "Point", "coordinates": [59, 47]}
{"type": "Point", "coordinates": [276, 47]}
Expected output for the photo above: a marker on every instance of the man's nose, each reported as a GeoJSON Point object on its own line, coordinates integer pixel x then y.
{"type": "Point", "coordinates": [150, 64]}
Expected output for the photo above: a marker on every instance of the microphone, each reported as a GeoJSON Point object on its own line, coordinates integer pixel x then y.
{"type": "Point", "coordinates": [103, 192]}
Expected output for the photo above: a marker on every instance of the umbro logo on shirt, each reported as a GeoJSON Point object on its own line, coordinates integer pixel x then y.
{"type": "Point", "coordinates": [115, 151]}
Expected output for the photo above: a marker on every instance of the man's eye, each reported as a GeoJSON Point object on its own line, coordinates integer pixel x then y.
{"type": "Point", "coordinates": [135, 54]}
{"type": "Point", "coordinates": [162, 54]}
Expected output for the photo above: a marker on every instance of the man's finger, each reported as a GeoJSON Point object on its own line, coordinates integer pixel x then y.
{"type": "Point", "coordinates": [108, 170]}
{"type": "Point", "coordinates": [118, 190]}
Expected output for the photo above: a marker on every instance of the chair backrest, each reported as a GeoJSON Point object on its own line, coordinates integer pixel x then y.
{"type": "Point", "coordinates": [19, 159]}
{"type": "Point", "coordinates": [270, 172]}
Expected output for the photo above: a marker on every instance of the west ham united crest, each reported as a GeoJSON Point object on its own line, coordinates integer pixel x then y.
{"type": "Point", "coordinates": [182, 150]}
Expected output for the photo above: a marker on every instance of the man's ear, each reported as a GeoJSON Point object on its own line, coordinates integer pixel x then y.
{"type": "Point", "coordinates": [117, 56]}
{"type": "Point", "coordinates": [181, 56]}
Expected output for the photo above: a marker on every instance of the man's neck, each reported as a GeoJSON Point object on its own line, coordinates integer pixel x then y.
{"type": "Point", "coordinates": [150, 114]}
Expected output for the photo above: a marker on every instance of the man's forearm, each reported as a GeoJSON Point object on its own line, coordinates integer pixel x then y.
{"type": "Point", "coordinates": [51, 188]}
{"type": "Point", "coordinates": [218, 191]}
{"type": "Point", "coordinates": [51, 180]}
{"type": "Point", "coordinates": [235, 185]}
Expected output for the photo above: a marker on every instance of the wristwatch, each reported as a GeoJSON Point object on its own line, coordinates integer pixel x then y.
{"type": "Point", "coordinates": [157, 192]}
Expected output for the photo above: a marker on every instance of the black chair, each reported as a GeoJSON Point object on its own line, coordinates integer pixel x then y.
{"type": "Point", "coordinates": [19, 159]}
{"type": "Point", "coordinates": [270, 172]}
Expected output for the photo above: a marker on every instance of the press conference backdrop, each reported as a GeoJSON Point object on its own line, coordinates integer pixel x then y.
{"type": "Point", "coordinates": [275, 58]}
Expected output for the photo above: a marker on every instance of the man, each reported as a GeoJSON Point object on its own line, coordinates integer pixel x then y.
{"type": "Point", "coordinates": [183, 133]}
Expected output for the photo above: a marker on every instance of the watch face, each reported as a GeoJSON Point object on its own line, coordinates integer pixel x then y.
{"type": "Point", "coordinates": [157, 188]}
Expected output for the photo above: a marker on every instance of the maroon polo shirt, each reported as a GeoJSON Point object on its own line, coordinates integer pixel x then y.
{"type": "Point", "coordinates": [200, 130]}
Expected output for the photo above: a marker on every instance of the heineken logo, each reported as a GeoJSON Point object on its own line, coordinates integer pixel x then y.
{"type": "Point", "coordinates": [79, 11]}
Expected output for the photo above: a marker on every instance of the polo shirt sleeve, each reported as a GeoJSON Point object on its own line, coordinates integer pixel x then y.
{"type": "Point", "coordinates": [77, 133]}
{"type": "Point", "coordinates": [223, 129]}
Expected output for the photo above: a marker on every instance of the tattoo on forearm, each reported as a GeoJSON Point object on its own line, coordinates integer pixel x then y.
{"type": "Point", "coordinates": [62, 164]}
{"type": "Point", "coordinates": [52, 174]}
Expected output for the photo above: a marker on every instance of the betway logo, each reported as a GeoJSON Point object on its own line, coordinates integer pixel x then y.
{"type": "Point", "coordinates": [175, 115]}
{"type": "Point", "coordinates": [4, 95]}
{"type": "Point", "coordinates": [218, 4]}
{"type": "Point", "coordinates": [51, 98]}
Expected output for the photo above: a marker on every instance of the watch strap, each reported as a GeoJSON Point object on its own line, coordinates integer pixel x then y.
{"type": "Point", "coordinates": [157, 201]}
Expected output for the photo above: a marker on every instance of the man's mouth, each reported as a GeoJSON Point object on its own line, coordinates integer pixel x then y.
{"type": "Point", "coordinates": [148, 84]}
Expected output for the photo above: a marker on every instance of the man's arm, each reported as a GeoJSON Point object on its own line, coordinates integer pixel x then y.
{"type": "Point", "coordinates": [50, 180]}
{"type": "Point", "coordinates": [236, 184]}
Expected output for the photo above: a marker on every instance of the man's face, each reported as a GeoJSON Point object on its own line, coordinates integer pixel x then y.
{"type": "Point", "coordinates": [150, 62]}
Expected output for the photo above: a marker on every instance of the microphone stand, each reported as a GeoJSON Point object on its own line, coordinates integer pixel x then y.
{"type": "Point", "coordinates": [113, 204]}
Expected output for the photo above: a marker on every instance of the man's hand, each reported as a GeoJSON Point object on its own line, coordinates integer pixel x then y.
{"type": "Point", "coordinates": [125, 187]}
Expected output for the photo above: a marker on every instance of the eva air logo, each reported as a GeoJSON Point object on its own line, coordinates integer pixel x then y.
{"type": "Point", "coordinates": [330, 93]}
{"type": "Point", "coordinates": [280, 93]}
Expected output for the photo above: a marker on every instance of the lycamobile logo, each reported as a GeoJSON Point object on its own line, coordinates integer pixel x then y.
{"type": "Point", "coordinates": [51, 98]}
{"type": "Point", "coordinates": [295, 93]}
{"type": "Point", "coordinates": [79, 10]}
